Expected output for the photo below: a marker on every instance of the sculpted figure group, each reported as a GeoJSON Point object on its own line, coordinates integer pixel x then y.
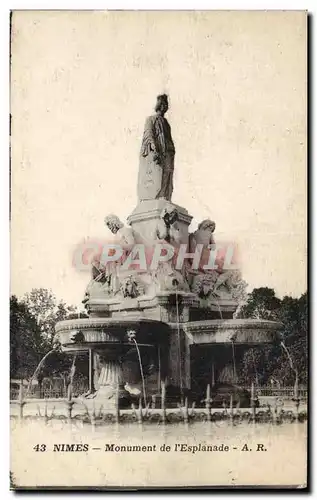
{"type": "Point", "coordinates": [110, 281]}
{"type": "Point", "coordinates": [155, 181]}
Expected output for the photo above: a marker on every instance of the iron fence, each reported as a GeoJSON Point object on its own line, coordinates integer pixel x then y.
{"type": "Point", "coordinates": [281, 392]}
{"type": "Point", "coordinates": [80, 387]}
{"type": "Point", "coordinates": [48, 391]}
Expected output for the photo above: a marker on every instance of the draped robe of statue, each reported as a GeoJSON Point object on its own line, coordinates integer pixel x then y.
{"type": "Point", "coordinates": [156, 166]}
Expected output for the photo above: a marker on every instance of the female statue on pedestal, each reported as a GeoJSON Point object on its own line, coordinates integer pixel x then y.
{"type": "Point", "coordinates": [157, 156]}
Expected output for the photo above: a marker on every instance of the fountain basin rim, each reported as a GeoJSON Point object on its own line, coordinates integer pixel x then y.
{"type": "Point", "coordinates": [85, 346]}
{"type": "Point", "coordinates": [88, 323]}
{"type": "Point", "coordinates": [238, 331]}
{"type": "Point", "coordinates": [234, 324]}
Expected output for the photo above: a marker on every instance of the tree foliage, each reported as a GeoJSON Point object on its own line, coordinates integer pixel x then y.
{"type": "Point", "coordinates": [270, 362]}
{"type": "Point", "coordinates": [261, 304]}
{"type": "Point", "coordinates": [26, 343]}
{"type": "Point", "coordinates": [32, 329]}
{"type": "Point", "coordinates": [44, 306]}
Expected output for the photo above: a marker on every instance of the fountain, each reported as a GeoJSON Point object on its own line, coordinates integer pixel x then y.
{"type": "Point", "coordinates": [181, 316]}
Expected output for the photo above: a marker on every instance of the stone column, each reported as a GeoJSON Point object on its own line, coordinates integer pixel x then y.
{"type": "Point", "coordinates": [91, 371]}
{"type": "Point", "coordinates": [179, 359]}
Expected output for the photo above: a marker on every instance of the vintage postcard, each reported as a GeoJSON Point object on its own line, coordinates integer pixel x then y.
{"type": "Point", "coordinates": [158, 308]}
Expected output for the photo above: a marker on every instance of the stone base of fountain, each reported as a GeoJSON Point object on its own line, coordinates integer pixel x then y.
{"type": "Point", "coordinates": [168, 312]}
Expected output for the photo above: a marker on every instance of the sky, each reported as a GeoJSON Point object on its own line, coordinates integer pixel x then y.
{"type": "Point", "coordinates": [82, 84]}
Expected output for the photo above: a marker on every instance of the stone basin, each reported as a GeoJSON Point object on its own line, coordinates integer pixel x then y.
{"type": "Point", "coordinates": [111, 342]}
{"type": "Point", "coordinates": [239, 331]}
{"type": "Point", "coordinates": [85, 333]}
{"type": "Point", "coordinates": [108, 343]}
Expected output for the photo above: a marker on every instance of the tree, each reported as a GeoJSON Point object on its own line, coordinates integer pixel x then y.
{"type": "Point", "coordinates": [44, 306]}
{"type": "Point", "coordinates": [285, 357]}
{"type": "Point", "coordinates": [293, 315]}
{"type": "Point", "coordinates": [261, 304]}
{"type": "Point", "coordinates": [26, 343]}
{"type": "Point", "coordinates": [47, 311]}
{"type": "Point", "coordinates": [32, 330]}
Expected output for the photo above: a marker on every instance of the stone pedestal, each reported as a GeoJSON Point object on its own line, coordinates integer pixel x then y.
{"type": "Point", "coordinates": [146, 215]}
{"type": "Point", "coordinates": [107, 375]}
{"type": "Point", "coordinates": [110, 374]}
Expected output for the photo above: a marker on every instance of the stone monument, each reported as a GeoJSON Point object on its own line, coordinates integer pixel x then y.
{"type": "Point", "coordinates": [168, 316]}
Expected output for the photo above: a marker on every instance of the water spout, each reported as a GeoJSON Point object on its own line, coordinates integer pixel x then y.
{"type": "Point", "coordinates": [179, 349]}
{"type": "Point", "coordinates": [71, 378]}
{"type": "Point", "coordinates": [291, 363]}
{"type": "Point", "coordinates": [215, 297]}
{"type": "Point", "coordinates": [132, 338]}
{"type": "Point", "coordinates": [39, 366]}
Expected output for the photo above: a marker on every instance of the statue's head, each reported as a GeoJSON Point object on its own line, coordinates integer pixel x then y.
{"type": "Point", "coordinates": [205, 285]}
{"type": "Point", "coordinates": [113, 223]}
{"type": "Point", "coordinates": [130, 288]}
{"type": "Point", "coordinates": [161, 103]}
{"type": "Point", "coordinates": [207, 225]}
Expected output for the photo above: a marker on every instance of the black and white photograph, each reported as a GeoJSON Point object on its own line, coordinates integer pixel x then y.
{"type": "Point", "coordinates": [158, 226]}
